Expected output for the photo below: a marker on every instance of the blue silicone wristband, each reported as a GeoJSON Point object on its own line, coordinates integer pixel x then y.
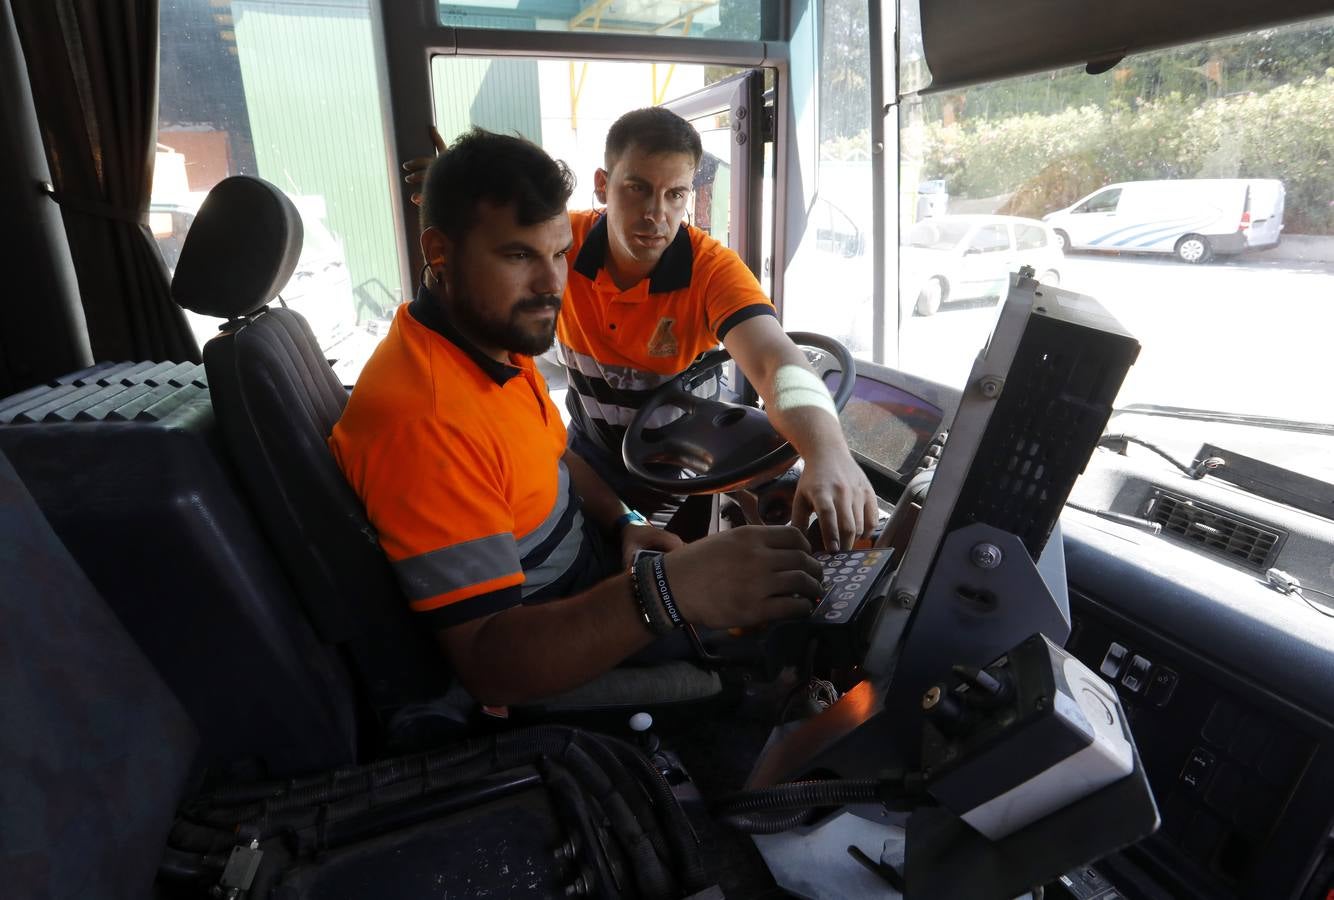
{"type": "Point", "coordinates": [633, 517]}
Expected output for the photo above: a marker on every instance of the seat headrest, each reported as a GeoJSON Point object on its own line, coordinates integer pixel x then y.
{"type": "Point", "coordinates": [240, 251]}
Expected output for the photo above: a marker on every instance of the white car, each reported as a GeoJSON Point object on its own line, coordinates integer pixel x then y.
{"type": "Point", "coordinates": [1194, 218]}
{"type": "Point", "coordinates": [970, 257]}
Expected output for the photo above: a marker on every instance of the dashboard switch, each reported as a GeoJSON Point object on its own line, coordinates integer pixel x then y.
{"type": "Point", "coordinates": [1137, 676]}
{"type": "Point", "coordinates": [1113, 661]}
{"type": "Point", "coordinates": [1197, 768]}
{"type": "Point", "coordinates": [1161, 687]}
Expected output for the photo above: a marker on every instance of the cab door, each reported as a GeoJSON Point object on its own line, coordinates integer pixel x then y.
{"type": "Point", "coordinates": [729, 118]}
{"type": "Point", "coordinates": [1092, 219]}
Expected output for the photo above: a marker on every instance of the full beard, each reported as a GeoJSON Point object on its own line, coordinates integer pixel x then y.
{"type": "Point", "coordinates": [514, 334]}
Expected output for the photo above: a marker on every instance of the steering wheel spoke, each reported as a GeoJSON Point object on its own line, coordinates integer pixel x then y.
{"type": "Point", "coordinates": [716, 445]}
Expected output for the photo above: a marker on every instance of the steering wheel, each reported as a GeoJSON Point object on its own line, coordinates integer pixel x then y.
{"type": "Point", "coordinates": [723, 446]}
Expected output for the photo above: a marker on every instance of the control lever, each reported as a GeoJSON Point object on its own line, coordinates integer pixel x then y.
{"type": "Point", "coordinates": [640, 723]}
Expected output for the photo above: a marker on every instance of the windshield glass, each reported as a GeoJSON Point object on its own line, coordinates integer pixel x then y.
{"type": "Point", "coordinates": [935, 235]}
{"type": "Point", "coordinates": [1208, 230]}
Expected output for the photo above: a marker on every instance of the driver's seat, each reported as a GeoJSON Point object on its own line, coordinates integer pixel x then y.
{"type": "Point", "coordinates": [276, 399]}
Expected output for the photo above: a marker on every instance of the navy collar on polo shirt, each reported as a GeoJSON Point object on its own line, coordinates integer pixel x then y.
{"type": "Point", "coordinates": [672, 273]}
{"type": "Point", "coordinates": [428, 311]}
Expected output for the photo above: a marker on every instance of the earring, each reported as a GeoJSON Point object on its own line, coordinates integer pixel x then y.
{"type": "Point", "coordinates": [436, 275]}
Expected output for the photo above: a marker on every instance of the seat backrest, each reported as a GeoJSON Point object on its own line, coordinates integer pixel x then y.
{"type": "Point", "coordinates": [94, 750]}
{"type": "Point", "coordinates": [276, 399]}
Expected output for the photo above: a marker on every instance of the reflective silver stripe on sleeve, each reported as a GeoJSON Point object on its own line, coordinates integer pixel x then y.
{"type": "Point", "coordinates": [458, 566]}
{"type": "Point", "coordinates": [539, 534]}
{"type": "Point", "coordinates": [558, 560]}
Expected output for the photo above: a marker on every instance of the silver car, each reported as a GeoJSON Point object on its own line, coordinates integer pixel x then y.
{"type": "Point", "coordinates": [970, 257]}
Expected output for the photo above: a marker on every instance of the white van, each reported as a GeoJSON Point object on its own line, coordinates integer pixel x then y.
{"type": "Point", "coordinates": [1196, 219]}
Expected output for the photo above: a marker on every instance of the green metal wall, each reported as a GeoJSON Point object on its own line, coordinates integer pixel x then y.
{"type": "Point", "coordinates": [310, 85]}
{"type": "Point", "coordinates": [500, 95]}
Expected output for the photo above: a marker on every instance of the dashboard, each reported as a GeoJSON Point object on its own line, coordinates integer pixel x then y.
{"type": "Point", "coordinates": [1228, 689]}
{"type": "Point", "coordinates": [1228, 683]}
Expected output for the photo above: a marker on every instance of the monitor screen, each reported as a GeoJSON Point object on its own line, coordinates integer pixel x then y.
{"type": "Point", "coordinates": [886, 424]}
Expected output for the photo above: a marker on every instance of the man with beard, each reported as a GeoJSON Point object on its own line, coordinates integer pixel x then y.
{"type": "Point", "coordinates": [647, 293]}
{"type": "Point", "coordinates": [496, 530]}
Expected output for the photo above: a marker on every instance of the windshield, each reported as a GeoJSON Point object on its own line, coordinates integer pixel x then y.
{"type": "Point", "coordinates": [1208, 230]}
{"type": "Point", "coordinates": [935, 235]}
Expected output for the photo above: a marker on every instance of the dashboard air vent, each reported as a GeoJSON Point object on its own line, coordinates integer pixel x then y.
{"type": "Point", "coordinates": [1217, 530]}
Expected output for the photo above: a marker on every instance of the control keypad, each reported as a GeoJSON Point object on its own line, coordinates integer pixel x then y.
{"type": "Point", "coordinates": [849, 577]}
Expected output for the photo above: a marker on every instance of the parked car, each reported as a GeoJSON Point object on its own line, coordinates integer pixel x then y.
{"type": "Point", "coordinates": [970, 257]}
{"type": "Point", "coordinates": [1196, 219]}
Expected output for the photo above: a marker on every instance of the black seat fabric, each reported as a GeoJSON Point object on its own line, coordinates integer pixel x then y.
{"type": "Point", "coordinates": [276, 399]}
{"type": "Point", "coordinates": [94, 750]}
{"type": "Point", "coordinates": [126, 463]}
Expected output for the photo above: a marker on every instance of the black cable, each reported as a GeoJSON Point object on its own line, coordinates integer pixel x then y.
{"type": "Point", "coordinates": [765, 822]}
{"type": "Point", "coordinates": [569, 796]}
{"type": "Point", "coordinates": [1197, 471]}
{"type": "Point", "coordinates": [811, 794]}
{"type": "Point", "coordinates": [677, 828]}
{"type": "Point", "coordinates": [1311, 603]}
{"type": "Point", "coordinates": [1286, 584]}
{"type": "Point", "coordinates": [649, 826]}
{"type": "Point", "coordinates": [566, 745]}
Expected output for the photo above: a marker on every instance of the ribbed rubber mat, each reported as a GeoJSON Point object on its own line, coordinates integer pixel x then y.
{"type": "Point", "coordinates": [110, 392]}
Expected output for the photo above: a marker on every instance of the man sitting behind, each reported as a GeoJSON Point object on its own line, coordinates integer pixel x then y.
{"type": "Point", "coordinates": [459, 455]}
{"type": "Point", "coordinates": [647, 293]}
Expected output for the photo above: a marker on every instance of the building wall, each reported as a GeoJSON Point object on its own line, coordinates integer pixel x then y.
{"type": "Point", "coordinates": [311, 90]}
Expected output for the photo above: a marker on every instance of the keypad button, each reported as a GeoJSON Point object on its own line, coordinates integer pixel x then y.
{"type": "Point", "coordinates": [840, 604]}
{"type": "Point", "coordinates": [833, 614]}
{"type": "Point", "coordinates": [1198, 766]}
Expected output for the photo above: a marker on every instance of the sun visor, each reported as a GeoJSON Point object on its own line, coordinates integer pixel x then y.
{"type": "Point", "coordinates": [971, 41]}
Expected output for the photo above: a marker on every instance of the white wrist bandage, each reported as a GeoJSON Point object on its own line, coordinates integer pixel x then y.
{"type": "Point", "coordinates": [797, 386]}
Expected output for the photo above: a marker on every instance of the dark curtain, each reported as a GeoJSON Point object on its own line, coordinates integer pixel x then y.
{"type": "Point", "coordinates": [94, 71]}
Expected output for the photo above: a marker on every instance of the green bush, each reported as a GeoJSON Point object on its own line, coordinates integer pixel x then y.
{"type": "Point", "coordinates": [1037, 164]}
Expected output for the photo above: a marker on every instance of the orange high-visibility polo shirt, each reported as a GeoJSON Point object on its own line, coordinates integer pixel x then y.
{"type": "Point", "coordinates": [457, 458]}
{"type": "Point", "coordinates": [619, 346]}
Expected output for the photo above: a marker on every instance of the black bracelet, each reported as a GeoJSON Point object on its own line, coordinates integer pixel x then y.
{"type": "Point", "coordinates": [655, 617]}
{"type": "Point", "coordinates": [663, 591]}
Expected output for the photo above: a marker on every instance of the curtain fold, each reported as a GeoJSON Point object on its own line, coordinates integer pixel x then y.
{"type": "Point", "coordinates": [94, 71]}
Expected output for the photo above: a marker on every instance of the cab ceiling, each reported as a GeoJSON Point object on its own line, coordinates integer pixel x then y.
{"type": "Point", "coordinates": [970, 41]}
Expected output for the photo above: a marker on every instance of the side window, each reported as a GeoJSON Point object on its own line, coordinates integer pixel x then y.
{"type": "Point", "coordinates": [1103, 202]}
{"type": "Point", "coordinates": [1029, 237]}
{"type": "Point", "coordinates": [1174, 138]}
{"type": "Point", "coordinates": [286, 92]}
{"type": "Point", "coordinates": [989, 239]}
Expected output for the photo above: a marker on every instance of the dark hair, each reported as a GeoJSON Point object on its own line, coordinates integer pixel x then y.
{"type": "Point", "coordinates": [654, 130]}
{"type": "Point", "coordinates": [499, 169]}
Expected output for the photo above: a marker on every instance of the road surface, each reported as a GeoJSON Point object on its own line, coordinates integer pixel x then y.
{"type": "Point", "coordinates": [1242, 335]}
